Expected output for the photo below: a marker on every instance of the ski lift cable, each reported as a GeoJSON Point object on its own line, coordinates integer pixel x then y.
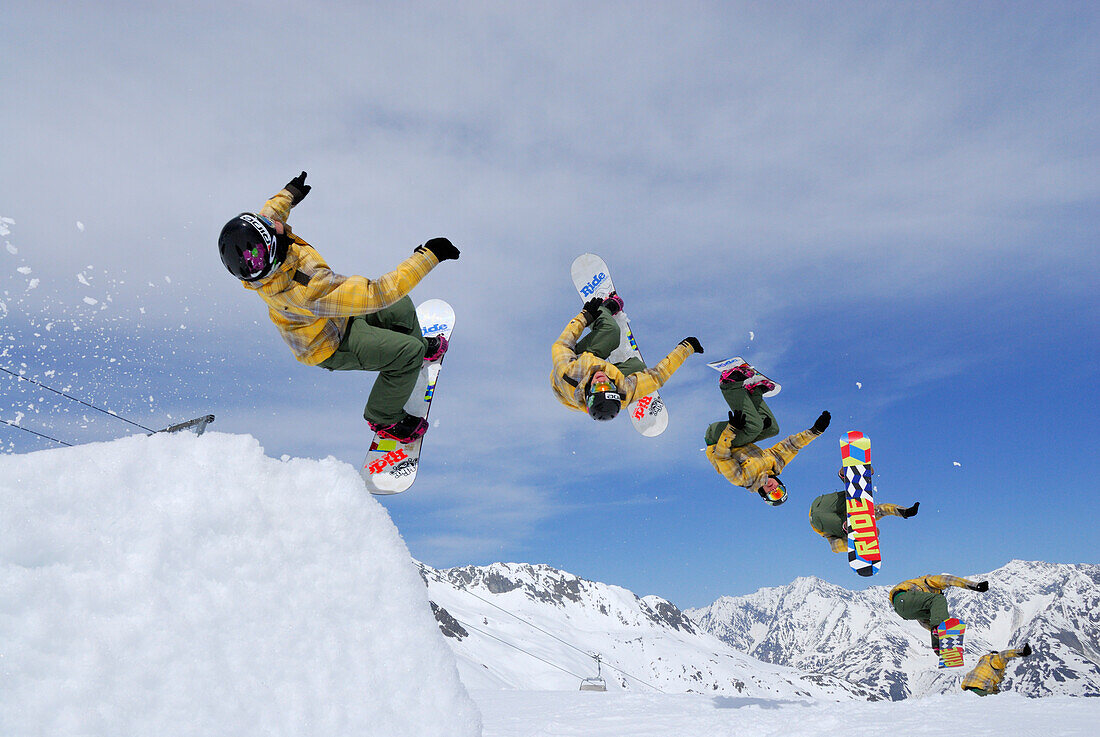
{"type": "Point", "coordinates": [32, 432]}
{"type": "Point", "coordinates": [75, 399]}
{"type": "Point", "coordinates": [495, 606]}
{"type": "Point", "coordinates": [517, 647]}
{"type": "Point", "coordinates": [424, 569]}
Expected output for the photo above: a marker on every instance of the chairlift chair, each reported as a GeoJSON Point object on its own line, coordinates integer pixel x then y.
{"type": "Point", "coordinates": [595, 683]}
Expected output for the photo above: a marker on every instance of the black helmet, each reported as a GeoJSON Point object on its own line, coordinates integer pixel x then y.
{"type": "Point", "coordinates": [250, 248]}
{"type": "Point", "coordinates": [603, 403]}
{"type": "Point", "coordinates": [778, 496]}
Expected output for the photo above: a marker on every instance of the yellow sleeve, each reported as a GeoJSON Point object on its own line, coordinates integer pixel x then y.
{"type": "Point", "coordinates": [939, 583]}
{"type": "Point", "coordinates": [725, 462]}
{"type": "Point", "coordinates": [788, 448]}
{"type": "Point", "coordinates": [278, 207]}
{"type": "Point", "coordinates": [650, 380]}
{"type": "Point", "coordinates": [563, 351]}
{"type": "Point", "coordinates": [329, 294]}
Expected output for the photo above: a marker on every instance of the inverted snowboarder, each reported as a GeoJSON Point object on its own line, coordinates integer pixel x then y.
{"type": "Point", "coordinates": [338, 322]}
{"type": "Point", "coordinates": [732, 446]}
{"type": "Point", "coordinates": [828, 516]}
{"type": "Point", "coordinates": [922, 599]}
{"type": "Point", "coordinates": [987, 675]}
{"type": "Point", "coordinates": [583, 379]}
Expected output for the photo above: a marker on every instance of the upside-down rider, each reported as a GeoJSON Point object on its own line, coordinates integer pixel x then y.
{"type": "Point", "coordinates": [829, 516]}
{"type": "Point", "coordinates": [732, 445]}
{"type": "Point", "coordinates": [987, 675]}
{"type": "Point", "coordinates": [922, 599]}
{"type": "Point", "coordinates": [584, 380]}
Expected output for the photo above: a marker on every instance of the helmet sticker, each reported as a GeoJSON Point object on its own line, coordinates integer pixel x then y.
{"type": "Point", "coordinates": [255, 222]}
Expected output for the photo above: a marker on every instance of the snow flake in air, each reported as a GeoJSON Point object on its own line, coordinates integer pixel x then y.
{"type": "Point", "coordinates": [91, 301]}
{"type": "Point", "coordinates": [956, 463]}
{"type": "Point", "coordinates": [80, 226]}
{"type": "Point", "coordinates": [24, 270]}
{"type": "Point", "coordinates": [82, 279]}
{"type": "Point", "coordinates": [859, 385]}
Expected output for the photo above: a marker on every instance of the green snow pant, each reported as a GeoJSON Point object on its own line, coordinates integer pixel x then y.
{"type": "Point", "coordinates": [929, 609]}
{"type": "Point", "coordinates": [755, 409]}
{"type": "Point", "coordinates": [390, 342]}
{"type": "Point", "coordinates": [603, 338]}
{"type": "Point", "coordinates": [829, 512]}
{"type": "Point", "coordinates": [979, 691]}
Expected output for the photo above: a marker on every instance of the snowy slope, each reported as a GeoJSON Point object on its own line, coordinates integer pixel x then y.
{"type": "Point", "coordinates": [856, 634]}
{"type": "Point", "coordinates": [619, 714]}
{"type": "Point", "coordinates": [490, 613]}
{"type": "Point", "coordinates": [182, 585]}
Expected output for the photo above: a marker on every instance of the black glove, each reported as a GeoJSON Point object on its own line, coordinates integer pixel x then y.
{"type": "Point", "coordinates": [738, 420]}
{"type": "Point", "coordinates": [693, 343]}
{"type": "Point", "coordinates": [822, 422]}
{"type": "Point", "coordinates": [592, 309]}
{"type": "Point", "coordinates": [441, 248]}
{"type": "Point", "coordinates": [298, 189]}
{"type": "Point", "coordinates": [1025, 651]}
{"type": "Point", "coordinates": [981, 586]}
{"type": "Point", "coordinates": [767, 422]}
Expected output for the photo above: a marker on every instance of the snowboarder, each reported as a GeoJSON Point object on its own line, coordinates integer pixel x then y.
{"type": "Point", "coordinates": [732, 446]}
{"type": "Point", "coordinates": [986, 677]}
{"type": "Point", "coordinates": [338, 322]}
{"type": "Point", "coordinates": [829, 517]}
{"type": "Point", "coordinates": [922, 599]}
{"type": "Point", "coordinates": [583, 379]}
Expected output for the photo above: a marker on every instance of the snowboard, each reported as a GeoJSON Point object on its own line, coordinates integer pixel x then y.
{"type": "Point", "coordinates": [721, 366]}
{"type": "Point", "coordinates": [951, 642]}
{"type": "Point", "coordinates": [390, 466]}
{"type": "Point", "coordinates": [864, 555]}
{"type": "Point", "coordinates": [592, 278]}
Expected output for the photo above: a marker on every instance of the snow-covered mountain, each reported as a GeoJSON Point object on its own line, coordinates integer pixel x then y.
{"type": "Point", "coordinates": [813, 625]}
{"type": "Point", "coordinates": [533, 627]}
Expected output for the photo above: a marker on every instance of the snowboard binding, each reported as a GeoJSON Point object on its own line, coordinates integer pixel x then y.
{"type": "Point", "coordinates": [405, 430]}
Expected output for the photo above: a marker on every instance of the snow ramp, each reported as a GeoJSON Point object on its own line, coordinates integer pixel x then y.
{"type": "Point", "coordinates": [183, 585]}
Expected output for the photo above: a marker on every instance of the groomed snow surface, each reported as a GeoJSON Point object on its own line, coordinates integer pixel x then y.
{"type": "Point", "coordinates": [617, 714]}
{"type": "Point", "coordinates": [182, 585]}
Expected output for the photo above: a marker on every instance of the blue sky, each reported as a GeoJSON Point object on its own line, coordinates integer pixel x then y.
{"type": "Point", "coordinates": [904, 197]}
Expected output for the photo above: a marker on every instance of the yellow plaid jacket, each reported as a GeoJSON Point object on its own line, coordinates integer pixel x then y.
{"type": "Point", "coordinates": [930, 584]}
{"type": "Point", "coordinates": [310, 303]}
{"type": "Point", "coordinates": [750, 465]}
{"type": "Point", "coordinates": [990, 671]}
{"type": "Point", "coordinates": [570, 372]}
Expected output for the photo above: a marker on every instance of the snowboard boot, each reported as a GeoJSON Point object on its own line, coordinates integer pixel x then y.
{"type": "Point", "coordinates": [764, 385]}
{"type": "Point", "coordinates": [736, 373]}
{"type": "Point", "coordinates": [908, 512]}
{"type": "Point", "coordinates": [614, 303]}
{"type": "Point", "coordinates": [405, 430]}
{"type": "Point", "coordinates": [437, 346]}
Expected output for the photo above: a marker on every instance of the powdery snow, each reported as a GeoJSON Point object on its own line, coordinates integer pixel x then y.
{"type": "Point", "coordinates": [615, 714]}
{"type": "Point", "coordinates": [183, 585]}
